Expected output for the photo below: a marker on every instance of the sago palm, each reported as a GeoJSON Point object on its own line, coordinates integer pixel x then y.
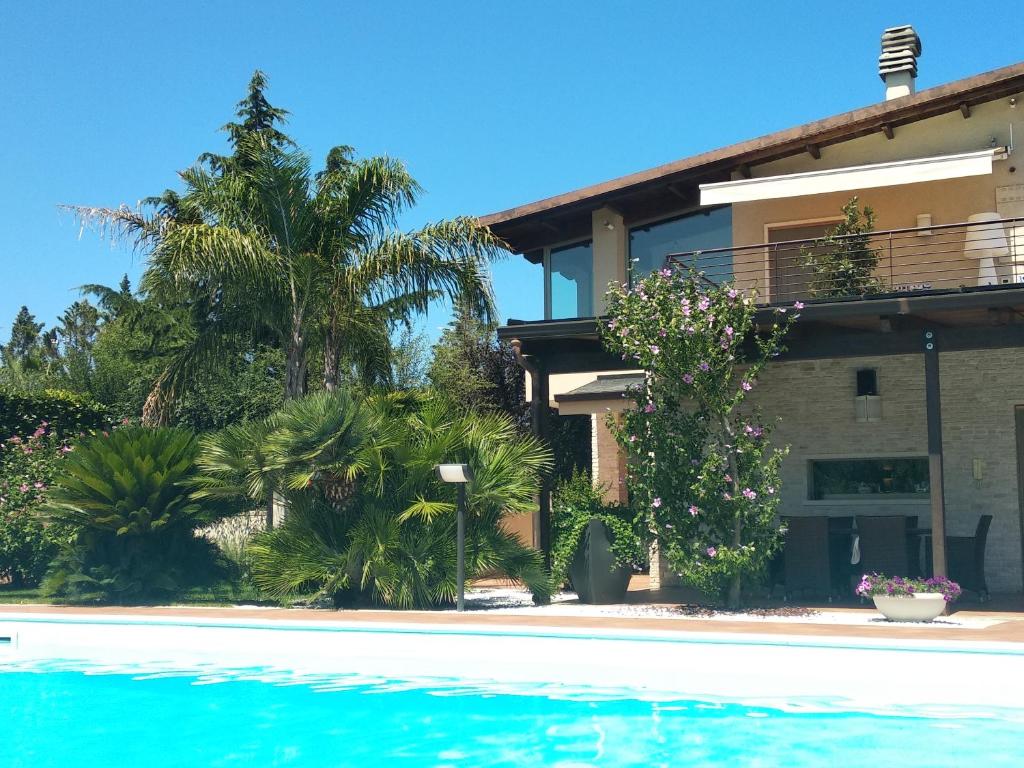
{"type": "Point", "coordinates": [126, 499]}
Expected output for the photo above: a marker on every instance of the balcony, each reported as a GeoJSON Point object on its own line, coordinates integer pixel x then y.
{"type": "Point", "coordinates": [988, 252]}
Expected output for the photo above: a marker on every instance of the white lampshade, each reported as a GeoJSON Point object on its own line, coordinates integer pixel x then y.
{"type": "Point", "coordinates": [454, 473]}
{"type": "Point", "coordinates": [985, 239]}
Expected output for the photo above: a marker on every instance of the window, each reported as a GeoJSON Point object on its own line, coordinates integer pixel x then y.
{"type": "Point", "coordinates": [709, 229]}
{"type": "Point", "coordinates": [571, 282]}
{"type": "Point", "coordinates": [867, 382]}
{"type": "Point", "coordinates": [869, 479]}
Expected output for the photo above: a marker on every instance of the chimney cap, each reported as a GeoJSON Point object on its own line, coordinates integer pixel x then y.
{"type": "Point", "coordinates": [900, 48]}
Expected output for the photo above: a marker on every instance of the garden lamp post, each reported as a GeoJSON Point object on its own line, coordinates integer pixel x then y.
{"type": "Point", "coordinates": [460, 474]}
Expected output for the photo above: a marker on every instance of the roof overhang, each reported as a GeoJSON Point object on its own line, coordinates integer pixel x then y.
{"type": "Point", "coordinates": [889, 174]}
{"type": "Point", "coordinates": [672, 187]}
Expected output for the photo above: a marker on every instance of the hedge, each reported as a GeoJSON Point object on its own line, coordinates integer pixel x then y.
{"type": "Point", "coordinates": [65, 412]}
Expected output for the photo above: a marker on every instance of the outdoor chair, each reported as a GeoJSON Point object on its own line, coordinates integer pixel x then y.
{"type": "Point", "coordinates": [806, 560]}
{"type": "Point", "coordinates": [883, 544]}
{"type": "Point", "coordinates": [965, 558]}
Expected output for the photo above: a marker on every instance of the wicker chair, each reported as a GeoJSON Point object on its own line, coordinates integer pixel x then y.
{"type": "Point", "coordinates": [965, 558]}
{"type": "Point", "coordinates": [883, 545]}
{"type": "Point", "coordinates": [806, 560]}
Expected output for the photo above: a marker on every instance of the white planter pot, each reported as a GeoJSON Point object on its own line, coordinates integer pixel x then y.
{"type": "Point", "coordinates": [921, 606]}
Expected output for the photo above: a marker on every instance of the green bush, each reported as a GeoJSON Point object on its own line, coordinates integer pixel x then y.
{"type": "Point", "coordinates": [63, 412]}
{"type": "Point", "coordinates": [27, 468]}
{"type": "Point", "coordinates": [368, 519]}
{"type": "Point", "coordinates": [574, 504]}
{"type": "Point", "coordinates": [126, 499]}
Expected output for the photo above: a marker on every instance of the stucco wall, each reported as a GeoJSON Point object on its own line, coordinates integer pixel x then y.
{"type": "Point", "coordinates": [948, 202]}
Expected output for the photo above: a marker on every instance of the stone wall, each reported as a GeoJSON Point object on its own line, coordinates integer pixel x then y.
{"type": "Point", "coordinates": [815, 400]}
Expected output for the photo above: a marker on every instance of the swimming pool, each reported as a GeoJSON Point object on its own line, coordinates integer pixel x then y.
{"type": "Point", "coordinates": [218, 693]}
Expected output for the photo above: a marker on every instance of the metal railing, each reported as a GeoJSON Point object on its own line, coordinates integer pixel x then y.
{"type": "Point", "coordinates": [895, 261]}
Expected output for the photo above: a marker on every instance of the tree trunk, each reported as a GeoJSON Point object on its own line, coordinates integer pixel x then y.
{"type": "Point", "coordinates": [295, 378]}
{"type": "Point", "coordinates": [736, 582]}
{"type": "Point", "coordinates": [331, 360]}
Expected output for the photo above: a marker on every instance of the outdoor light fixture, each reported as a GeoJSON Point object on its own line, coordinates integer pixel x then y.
{"type": "Point", "coordinates": [460, 474]}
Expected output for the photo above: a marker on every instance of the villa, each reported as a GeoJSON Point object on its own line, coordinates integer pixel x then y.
{"type": "Point", "coordinates": [902, 398]}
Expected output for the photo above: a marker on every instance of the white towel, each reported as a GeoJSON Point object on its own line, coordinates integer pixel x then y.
{"type": "Point", "coordinates": [855, 551]}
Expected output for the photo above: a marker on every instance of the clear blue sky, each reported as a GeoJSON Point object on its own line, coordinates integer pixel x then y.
{"type": "Point", "coordinates": [490, 104]}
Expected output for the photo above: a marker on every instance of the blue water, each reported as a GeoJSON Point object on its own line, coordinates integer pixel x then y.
{"type": "Point", "coordinates": [69, 718]}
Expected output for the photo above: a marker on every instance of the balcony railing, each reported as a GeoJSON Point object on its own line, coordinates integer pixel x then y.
{"type": "Point", "coordinates": [895, 261]}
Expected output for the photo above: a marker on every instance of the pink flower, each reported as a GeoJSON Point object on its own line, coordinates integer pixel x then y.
{"type": "Point", "coordinates": [24, 488]}
{"type": "Point", "coordinates": [688, 378]}
{"type": "Point", "coordinates": [728, 477]}
{"type": "Point", "coordinates": [798, 305]}
{"type": "Point", "coordinates": [729, 331]}
{"type": "Point", "coordinates": [746, 386]}
{"type": "Point", "coordinates": [771, 489]}
{"type": "Point", "coordinates": [694, 510]}
{"type": "Point", "coordinates": [666, 272]}
{"type": "Point", "coordinates": [655, 349]}
{"type": "Point", "coordinates": [39, 432]}
{"type": "Point", "coordinates": [649, 408]}
{"type": "Point", "coordinates": [704, 367]}
{"type": "Point", "coordinates": [632, 438]}
{"type": "Point", "coordinates": [65, 449]}
{"type": "Point", "coordinates": [748, 493]}
{"type": "Point", "coordinates": [704, 303]}
{"type": "Point", "coordinates": [663, 333]}
{"type": "Point", "coordinates": [712, 551]}
{"type": "Point", "coordinates": [656, 503]}
{"type": "Point", "coordinates": [732, 293]}
{"type": "Point", "coordinates": [38, 485]}
{"type": "Point", "coordinates": [727, 496]}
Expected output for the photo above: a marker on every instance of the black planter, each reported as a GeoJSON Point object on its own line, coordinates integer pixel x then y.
{"type": "Point", "coordinates": [593, 571]}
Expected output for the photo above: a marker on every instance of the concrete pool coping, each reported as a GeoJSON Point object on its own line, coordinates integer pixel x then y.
{"type": "Point", "coordinates": [1009, 629]}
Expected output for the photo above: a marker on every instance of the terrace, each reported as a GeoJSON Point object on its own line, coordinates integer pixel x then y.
{"type": "Point", "coordinates": [931, 259]}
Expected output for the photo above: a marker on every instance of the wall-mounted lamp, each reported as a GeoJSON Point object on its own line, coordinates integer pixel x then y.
{"type": "Point", "coordinates": [460, 474]}
{"type": "Point", "coordinates": [924, 222]}
{"type": "Point", "coordinates": [609, 226]}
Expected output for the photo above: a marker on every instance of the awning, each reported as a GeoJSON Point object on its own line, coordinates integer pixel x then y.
{"type": "Point", "coordinates": [857, 177]}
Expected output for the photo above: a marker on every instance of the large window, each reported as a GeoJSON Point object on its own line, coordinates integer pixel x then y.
{"type": "Point", "coordinates": [869, 479]}
{"type": "Point", "coordinates": [571, 282]}
{"type": "Point", "coordinates": [651, 243]}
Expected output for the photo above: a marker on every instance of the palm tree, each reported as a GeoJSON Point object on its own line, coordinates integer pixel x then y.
{"type": "Point", "coordinates": [263, 249]}
{"type": "Point", "coordinates": [367, 514]}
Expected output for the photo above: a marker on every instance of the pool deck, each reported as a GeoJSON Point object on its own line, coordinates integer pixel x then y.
{"type": "Point", "coordinates": [1009, 626]}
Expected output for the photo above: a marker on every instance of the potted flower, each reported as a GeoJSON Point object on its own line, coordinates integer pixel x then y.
{"type": "Point", "coordinates": [904, 599]}
{"type": "Point", "coordinates": [596, 545]}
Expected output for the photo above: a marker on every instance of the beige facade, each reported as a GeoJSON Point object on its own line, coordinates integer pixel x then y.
{"type": "Point", "coordinates": [947, 202]}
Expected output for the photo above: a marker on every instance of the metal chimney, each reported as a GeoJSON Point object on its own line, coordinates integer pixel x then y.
{"type": "Point", "coordinates": [897, 65]}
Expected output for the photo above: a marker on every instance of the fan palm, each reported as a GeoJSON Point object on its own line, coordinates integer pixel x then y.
{"type": "Point", "coordinates": [368, 514]}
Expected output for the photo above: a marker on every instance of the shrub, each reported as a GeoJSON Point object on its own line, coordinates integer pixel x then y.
{"type": "Point", "coordinates": [368, 519]}
{"type": "Point", "coordinates": [65, 413]}
{"type": "Point", "coordinates": [701, 467]}
{"type": "Point", "coordinates": [574, 504]}
{"type": "Point", "coordinates": [27, 469]}
{"type": "Point", "coordinates": [126, 499]}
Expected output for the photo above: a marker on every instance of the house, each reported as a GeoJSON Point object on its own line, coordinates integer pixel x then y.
{"type": "Point", "coordinates": [905, 397]}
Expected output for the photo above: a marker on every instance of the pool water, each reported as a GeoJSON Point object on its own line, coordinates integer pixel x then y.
{"type": "Point", "coordinates": [69, 715]}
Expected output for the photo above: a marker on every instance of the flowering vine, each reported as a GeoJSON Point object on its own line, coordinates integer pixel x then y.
{"type": "Point", "coordinates": [701, 466]}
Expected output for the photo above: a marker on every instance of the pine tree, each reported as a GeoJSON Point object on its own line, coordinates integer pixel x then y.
{"type": "Point", "coordinates": [25, 336]}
